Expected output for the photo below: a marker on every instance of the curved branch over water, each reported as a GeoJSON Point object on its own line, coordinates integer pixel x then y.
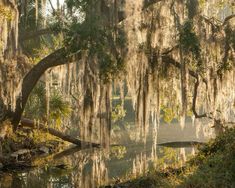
{"type": "Point", "coordinates": [58, 57]}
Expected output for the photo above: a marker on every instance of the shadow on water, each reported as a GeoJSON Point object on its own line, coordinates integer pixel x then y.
{"type": "Point", "coordinates": [183, 144]}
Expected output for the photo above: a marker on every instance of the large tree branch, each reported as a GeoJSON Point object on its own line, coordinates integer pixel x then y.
{"type": "Point", "coordinates": [169, 60]}
{"type": "Point", "coordinates": [228, 18]}
{"type": "Point", "coordinates": [219, 23]}
{"type": "Point", "coordinates": [58, 57]}
{"type": "Point", "coordinates": [210, 21]}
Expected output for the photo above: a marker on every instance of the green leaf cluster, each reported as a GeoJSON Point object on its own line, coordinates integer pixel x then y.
{"type": "Point", "coordinates": [168, 114]}
{"type": "Point", "coordinates": [118, 113]}
{"type": "Point", "coordinates": [189, 41]}
{"type": "Point", "coordinates": [214, 164]}
{"type": "Point", "coordinates": [5, 13]}
{"type": "Point", "coordinates": [98, 37]}
{"type": "Point", "coordinates": [36, 105]}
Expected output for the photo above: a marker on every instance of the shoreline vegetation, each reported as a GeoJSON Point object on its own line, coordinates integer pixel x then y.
{"type": "Point", "coordinates": [34, 146]}
{"type": "Point", "coordinates": [213, 166]}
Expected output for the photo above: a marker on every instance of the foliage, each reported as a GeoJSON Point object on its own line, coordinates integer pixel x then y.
{"type": "Point", "coordinates": [5, 13]}
{"type": "Point", "coordinates": [168, 114]}
{"type": "Point", "coordinates": [81, 29]}
{"type": "Point", "coordinates": [118, 113]}
{"type": "Point", "coordinates": [228, 59]}
{"type": "Point", "coordinates": [202, 3]}
{"type": "Point", "coordinates": [59, 108]}
{"type": "Point", "coordinates": [94, 34]}
{"type": "Point", "coordinates": [212, 167]}
{"type": "Point", "coordinates": [192, 6]}
{"type": "Point", "coordinates": [220, 144]}
{"type": "Point", "coordinates": [214, 164]}
{"type": "Point", "coordinates": [169, 157]}
{"type": "Point", "coordinates": [36, 105]}
{"type": "Point", "coordinates": [151, 180]}
{"type": "Point", "coordinates": [189, 40]}
{"type": "Point", "coordinates": [118, 151]}
{"type": "Point", "coordinates": [148, 3]}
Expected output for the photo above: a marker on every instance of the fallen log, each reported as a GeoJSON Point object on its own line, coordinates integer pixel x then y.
{"type": "Point", "coordinates": [31, 124]}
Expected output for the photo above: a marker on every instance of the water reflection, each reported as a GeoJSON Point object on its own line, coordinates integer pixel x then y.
{"type": "Point", "coordinates": [89, 168]}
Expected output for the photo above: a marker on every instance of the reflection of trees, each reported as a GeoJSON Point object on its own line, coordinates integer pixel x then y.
{"type": "Point", "coordinates": [89, 169]}
{"type": "Point", "coordinates": [85, 168]}
{"type": "Point", "coordinates": [78, 162]}
{"type": "Point", "coordinates": [166, 157]}
{"type": "Point", "coordinates": [140, 164]}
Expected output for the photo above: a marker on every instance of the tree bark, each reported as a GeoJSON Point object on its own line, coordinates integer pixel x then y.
{"type": "Point", "coordinates": [31, 124]}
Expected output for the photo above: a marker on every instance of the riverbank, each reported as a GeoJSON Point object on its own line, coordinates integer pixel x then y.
{"type": "Point", "coordinates": [213, 166]}
{"type": "Point", "coordinates": [21, 149]}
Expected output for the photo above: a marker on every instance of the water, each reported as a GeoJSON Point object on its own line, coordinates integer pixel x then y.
{"type": "Point", "coordinates": [89, 168]}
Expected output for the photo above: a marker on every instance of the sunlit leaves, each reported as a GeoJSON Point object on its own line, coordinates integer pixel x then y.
{"type": "Point", "coordinates": [5, 13]}
{"type": "Point", "coordinates": [118, 151]}
{"type": "Point", "coordinates": [168, 114]}
{"type": "Point", "coordinates": [58, 106]}
{"type": "Point", "coordinates": [118, 113]}
{"type": "Point", "coordinates": [169, 157]}
{"type": "Point", "coordinates": [36, 105]}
